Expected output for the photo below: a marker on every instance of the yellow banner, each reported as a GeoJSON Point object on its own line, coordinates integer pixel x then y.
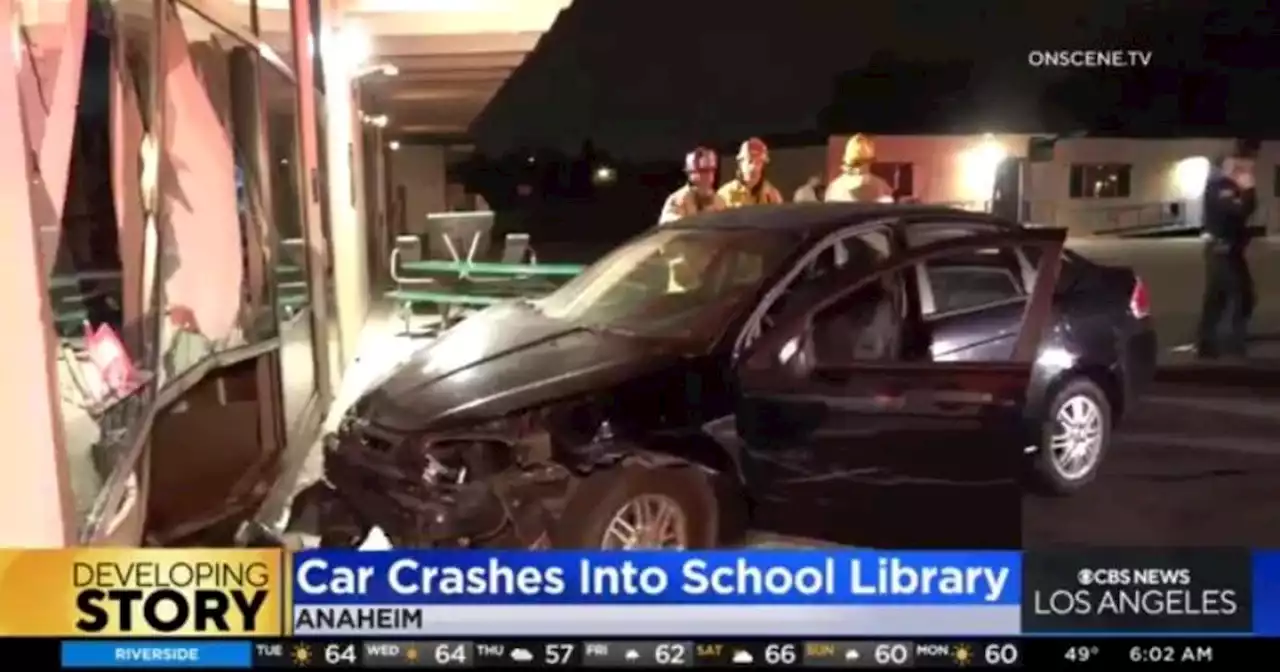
{"type": "Point", "coordinates": [142, 592]}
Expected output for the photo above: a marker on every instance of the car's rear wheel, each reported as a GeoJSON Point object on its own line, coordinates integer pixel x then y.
{"type": "Point", "coordinates": [1074, 439]}
{"type": "Point", "coordinates": [633, 507]}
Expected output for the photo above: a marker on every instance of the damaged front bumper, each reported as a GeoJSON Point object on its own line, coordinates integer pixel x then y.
{"type": "Point", "coordinates": [454, 491]}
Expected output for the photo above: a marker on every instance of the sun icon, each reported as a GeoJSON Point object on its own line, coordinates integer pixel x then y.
{"type": "Point", "coordinates": [962, 654]}
{"type": "Point", "coordinates": [411, 654]}
{"type": "Point", "coordinates": [301, 654]}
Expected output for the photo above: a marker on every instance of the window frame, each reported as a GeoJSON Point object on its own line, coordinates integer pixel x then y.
{"type": "Point", "coordinates": [751, 330]}
{"type": "Point", "coordinates": [928, 308]}
{"type": "Point", "coordinates": [963, 228]}
{"type": "Point", "coordinates": [1078, 175]}
{"type": "Point", "coordinates": [762, 354]}
{"type": "Point", "coordinates": [128, 483]}
{"type": "Point", "coordinates": [899, 169]}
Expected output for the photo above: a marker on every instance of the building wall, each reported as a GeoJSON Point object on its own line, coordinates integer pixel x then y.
{"type": "Point", "coordinates": [939, 163]}
{"type": "Point", "coordinates": [420, 169]}
{"type": "Point", "coordinates": [941, 176]}
{"type": "Point", "coordinates": [1154, 186]}
{"type": "Point", "coordinates": [347, 217]}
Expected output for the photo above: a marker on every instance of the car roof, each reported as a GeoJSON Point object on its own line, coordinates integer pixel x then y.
{"type": "Point", "coordinates": [819, 218]}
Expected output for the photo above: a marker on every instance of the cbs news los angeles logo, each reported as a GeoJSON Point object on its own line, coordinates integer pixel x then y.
{"type": "Point", "coordinates": [141, 593]}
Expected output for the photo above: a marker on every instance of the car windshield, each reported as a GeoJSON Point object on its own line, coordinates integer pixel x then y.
{"type": "Point", "coordinates": [678, 283]}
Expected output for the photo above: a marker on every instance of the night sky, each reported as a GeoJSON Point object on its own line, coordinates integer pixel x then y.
{"type": "Point", "coordinates": [647, 79]}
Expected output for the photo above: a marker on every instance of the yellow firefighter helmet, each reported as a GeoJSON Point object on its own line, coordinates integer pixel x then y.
{"type": "Point", "coordinates": [859, 149]}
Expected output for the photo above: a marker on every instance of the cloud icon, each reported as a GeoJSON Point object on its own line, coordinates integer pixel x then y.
{"type": "Point", "coordinates": [741, 657]}
{"type": "Point", "coordinates": [521, 655]}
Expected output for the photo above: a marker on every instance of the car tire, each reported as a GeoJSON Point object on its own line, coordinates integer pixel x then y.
{"type": "Point", "coordinates": [599, 497]}
{"type": "Point", "coordinates": [1079, 397]}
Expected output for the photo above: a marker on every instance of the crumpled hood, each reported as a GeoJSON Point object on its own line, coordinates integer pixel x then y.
{"type": "Point", "coordinates": [499, 361]}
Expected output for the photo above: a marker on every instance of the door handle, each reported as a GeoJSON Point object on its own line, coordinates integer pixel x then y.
{"type": "Point", "coordinates": [889, 400]}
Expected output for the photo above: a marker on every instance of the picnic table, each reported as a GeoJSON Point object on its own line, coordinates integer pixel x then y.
{"type": "Point", "coordinates": [66, 301]}
{"type": "Point", "coordinates": [449, 284]}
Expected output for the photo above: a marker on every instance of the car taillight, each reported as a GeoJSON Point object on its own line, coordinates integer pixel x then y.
{"type": "Point", "coordinates": [1139, 300]}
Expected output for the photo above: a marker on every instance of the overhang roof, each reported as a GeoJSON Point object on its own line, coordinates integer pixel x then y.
{"type": "Point", "coordinates": [452, 55]}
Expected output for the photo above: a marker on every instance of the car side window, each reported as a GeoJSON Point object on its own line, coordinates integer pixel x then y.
{"type": "Point", "coordinates": [919, 235]}
{"type": "Point", "coordinates": [971, 280]}
{"type": "Point", "coordinates": [863, 249]}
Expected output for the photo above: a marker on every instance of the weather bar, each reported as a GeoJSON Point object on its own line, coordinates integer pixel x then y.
{"type": "Point", "coordinates": [638, 654]}
{"type": "Point", "coordinates": [651, 654]}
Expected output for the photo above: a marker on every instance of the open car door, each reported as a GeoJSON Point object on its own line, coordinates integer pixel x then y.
{"type": "Point", "coordinates": [893, 450]}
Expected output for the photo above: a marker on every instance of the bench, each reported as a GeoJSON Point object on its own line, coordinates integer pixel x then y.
{"type": "Point", "coordinates": [408, 298]}
{"type": "Point", "coordinates": [445, 298]}
{"type": "Point", "coordinates": [468, 268]}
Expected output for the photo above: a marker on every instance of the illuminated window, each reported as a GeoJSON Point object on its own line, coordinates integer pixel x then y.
{"type": "Point", "coordinates": [1100, 180]}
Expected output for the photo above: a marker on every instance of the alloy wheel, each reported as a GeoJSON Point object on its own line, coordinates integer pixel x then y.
{"type": "Point", "coordinates": [648, 521]}
{"type": "Point", "coordinates": [1079, 429]}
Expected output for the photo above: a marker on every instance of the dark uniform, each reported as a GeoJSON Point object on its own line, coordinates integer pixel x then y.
{"type": "Point", "coordinates": [1228, 288]}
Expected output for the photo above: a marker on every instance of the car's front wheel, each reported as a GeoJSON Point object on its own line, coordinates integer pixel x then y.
{"type": "Point", "coordinates": [634, 507]}
{"type": "Point", "coordinates": [1074, 439]}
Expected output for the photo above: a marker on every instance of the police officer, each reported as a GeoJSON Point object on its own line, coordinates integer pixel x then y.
{"type": "Point", "coordinates": [856, 182]}
{"type": "Point", "coordinates": [750, 187]}
{"type": "Point", "coordinates": [1230, 197]}
{"type": "Point", "coordinates": [699, 195]}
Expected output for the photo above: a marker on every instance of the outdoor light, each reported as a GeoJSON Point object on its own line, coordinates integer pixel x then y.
{"type": "Point", "coordinates": [393, 145]}
{"type": "Point", "coordinates": [978, 166]}
{"type": "Point", "coordinates": [604, 175]}
{"type": "Point", "coordinates": [384, 69]}
{"type": "Point", "coordinates": [1190, 176]}
{"type": "Point", "coordinates": [347, 47]}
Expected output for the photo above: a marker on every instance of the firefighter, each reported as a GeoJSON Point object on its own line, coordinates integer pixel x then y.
{"type": "Point", "coordinates": [856, 182]}
{"type": "Point", "coordinates": [750, 187]}
{"type": "Point", "coordinates": [699, 195]}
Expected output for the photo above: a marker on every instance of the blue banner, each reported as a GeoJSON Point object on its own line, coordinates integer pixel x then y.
{"type": "Point", "coordinates": [1266, 593]}
{"type": "Point", "coordinates": [657, 577]}
{"type": "Point", "coordinates": [167, 654]}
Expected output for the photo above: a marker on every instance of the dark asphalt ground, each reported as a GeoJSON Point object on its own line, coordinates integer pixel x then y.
{"type": "Point", "coordinates": [1197, 461]}
{"type": "Point", "coordinates": [1189, 467]}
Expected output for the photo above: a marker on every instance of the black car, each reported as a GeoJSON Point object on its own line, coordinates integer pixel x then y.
{"type": "Point", "coordinates": [825, 371]}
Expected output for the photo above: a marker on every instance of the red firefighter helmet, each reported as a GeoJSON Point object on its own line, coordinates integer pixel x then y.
{"type": "Point", "coordinates": [700, 160]}
{"type": "Point", "coordinates": [754, 148]}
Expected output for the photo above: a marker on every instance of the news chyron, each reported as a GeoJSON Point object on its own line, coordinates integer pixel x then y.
{"type": "Point", "coordinates": [141, 593]}
{"type": "Point", "coordinates": [1118, 591]}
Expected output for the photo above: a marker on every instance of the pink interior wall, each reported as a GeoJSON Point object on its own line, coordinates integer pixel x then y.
{"type": "Point", "coordinates": [203, 241]}
{"type": "Point", "coordinates": [34, 488]}
{"type": "Point", "coordinates": [49, 86]}
{"type": "Point", "coordinates": [126, 139]}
